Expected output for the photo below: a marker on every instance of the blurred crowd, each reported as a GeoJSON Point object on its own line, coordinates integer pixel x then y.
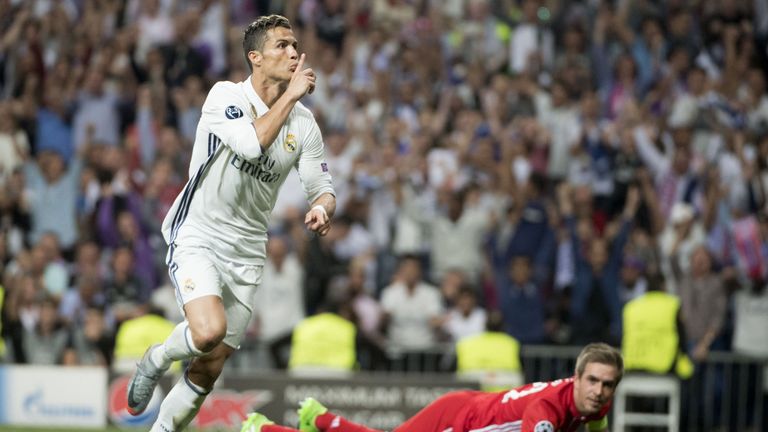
{"type": "Point", "coordinates": [539, 158]}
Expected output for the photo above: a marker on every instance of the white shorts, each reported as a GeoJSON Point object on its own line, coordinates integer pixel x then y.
{"type": "Point", "coordinates": [196, 272]}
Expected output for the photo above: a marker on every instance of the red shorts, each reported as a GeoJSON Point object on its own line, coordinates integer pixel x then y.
{"type": "Point", "coordinates": [446, 412]}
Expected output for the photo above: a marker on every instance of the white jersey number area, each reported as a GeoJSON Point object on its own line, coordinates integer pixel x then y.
{"type": "Point", "coordinates": [515, 395]}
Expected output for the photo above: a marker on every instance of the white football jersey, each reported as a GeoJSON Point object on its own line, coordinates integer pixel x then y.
{"type": "Point", "coordinates": [226, 204]}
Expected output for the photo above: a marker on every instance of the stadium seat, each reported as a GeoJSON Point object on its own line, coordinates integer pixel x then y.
{"type": "Point", "coordinates": [645, 385]}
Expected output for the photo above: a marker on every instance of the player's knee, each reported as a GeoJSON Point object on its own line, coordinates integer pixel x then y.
{"type": "Point", "coordinates": [209, 336]}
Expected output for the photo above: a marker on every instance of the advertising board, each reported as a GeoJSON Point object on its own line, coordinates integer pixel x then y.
{"type": "Point", "coordinates": [53, 396]}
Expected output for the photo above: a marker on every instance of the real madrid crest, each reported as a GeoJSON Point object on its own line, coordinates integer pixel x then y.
{"type": "Point", "coordinates": [188, 286]}
{"type": "Point", "coordinates": [290, 143]}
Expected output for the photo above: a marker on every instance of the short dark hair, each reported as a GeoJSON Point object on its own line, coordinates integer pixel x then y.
{"type": "Point", "coordinates": [600, 353]}
{"type": "Point", "coordinates": [494, 321]}
{"type": "Point", "coordinates": [656, 281]}
{"type": "Point", "coordinates": [256, 33]}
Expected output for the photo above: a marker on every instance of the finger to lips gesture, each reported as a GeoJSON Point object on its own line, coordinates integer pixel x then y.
{"type": "Point", "coordinates": [303, 80]}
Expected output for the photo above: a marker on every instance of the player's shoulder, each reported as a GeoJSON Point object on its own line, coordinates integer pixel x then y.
{"type": "Point", "coordinates": [226, 86]}
{"type": "Point", "coordinates": [228, 98]}
{"type": "Point", "coordinates": [544, 415]}
{"type": "Point", "coordinates": [556, 392]}
{"type": "Point", "coordinates": [225, 90]}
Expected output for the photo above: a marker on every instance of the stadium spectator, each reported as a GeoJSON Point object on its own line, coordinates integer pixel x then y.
{"type": "Point", "coordinates": [490, 356]}
{"type": "Point", "coordinates": [3, 350]}
{"type": "Point", "coordinates": [633, 283]}
{"type": "Point", "coordinates": [465, 317]}
{"type": "Point", "coordinates": [653, 339]}
{"type": "Point", "coordinates": [457, 234]}
{"type": "Point", "coordinates": [751, 312]}
{"type": "Point", "coordinates": [704, 302]}
{"type": "Point", "coordinates": [126, 293]}
{"type": "Point", "coordinates": [14, 143]}
{"type": "Point", "coordinates": [280, 301]}
{"type": "Point", "coordinates": [750, 318]}
{"type": "Point", "coordinates": [91, 343]}
{"type": "Point", "coordinates": [355, 288]}
{"type": "Point", "coordinates": [521, 302]}
{"type": "Point", "coordinates": [135, 333]}
{"type": "Point", "coordinates": [525, 226]}
{"type": "Point", "coordinates": [51, 187]}
{"type": "Point", "coordinates": [54, 131]}
{"type": "Point", "coordinates": [325, 343]}
{"type": "Point", "coordinates": [412, 308]}
{"type": "Point", "coordinates": [45, 343]}
{"type": "Point", "coordinates": [47, 257]}
{"type": "Point", "coordinates": [595, 311]}
{"type": "Point", "coordinates": [96, 118]}
{"type": "Point", "coordinates": [87, 294]}
{"type": "Point", "coordinates": [531, 42]}
{"type": "Point", "coordinates": [88, 261]}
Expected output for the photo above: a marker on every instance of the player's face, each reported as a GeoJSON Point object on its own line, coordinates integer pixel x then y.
{"type": "Point", "coordinates": [280, 57]}
{"type": "Point", "coordinates": [595, 387]}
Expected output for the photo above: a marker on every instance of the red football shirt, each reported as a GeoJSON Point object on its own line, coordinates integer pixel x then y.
{"type": "Point", "coordinates": [537, 407]}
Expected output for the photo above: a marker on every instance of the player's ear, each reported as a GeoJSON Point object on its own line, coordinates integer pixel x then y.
{"type": "Point", "coordinates": [255, 58]}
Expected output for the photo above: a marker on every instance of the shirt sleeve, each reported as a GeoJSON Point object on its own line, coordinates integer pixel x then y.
{"type": "Point", "coordinates": [434, 307]}
{"type": "Point", "coordinates": [656, 161]}
{"type": "Point", "coordinates": [312, 168]}
{"type": "Point", "coordinates": [388, 299]}
{"type": "Point", "coordinates": [540, 416]}
{"type": "Point", "coordinates": [225, 114]}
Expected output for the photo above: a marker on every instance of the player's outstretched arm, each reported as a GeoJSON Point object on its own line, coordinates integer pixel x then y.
{"type": "Point", "coordinates": [315, 417]}
{"type": "Point", "coordinates": [318, 218]}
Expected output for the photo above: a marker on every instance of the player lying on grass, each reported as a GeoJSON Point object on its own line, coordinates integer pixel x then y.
{"type": "Point", "coordinates": [561, 405]}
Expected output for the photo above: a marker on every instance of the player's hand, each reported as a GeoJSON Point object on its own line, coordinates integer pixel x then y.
{"type": "Point", "coordinates": [317, 220]}
{"type": "Point", "coordinates": [302, 80]}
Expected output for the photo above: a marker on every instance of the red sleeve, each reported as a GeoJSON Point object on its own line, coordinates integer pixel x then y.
{"type": "Point", "coordinates": [541, 416]}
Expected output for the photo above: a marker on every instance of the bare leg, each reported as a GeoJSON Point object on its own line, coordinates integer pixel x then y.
{"type": "Point", "coordinates": [207, 322]}
{"type": "Point", "coordinates": [207, 328]}
{"type": "Point", "coordinates": [205, 370]}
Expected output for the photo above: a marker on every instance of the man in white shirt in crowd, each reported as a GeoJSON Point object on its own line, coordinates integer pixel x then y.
{"type": "Point", "coordinates": [280, 300]}
{"type": "Point", "coordinates": [412, 308]}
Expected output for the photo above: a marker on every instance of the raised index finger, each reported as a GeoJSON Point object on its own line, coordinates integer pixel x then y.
{"type": "Point", "coordinates": [300, 66]}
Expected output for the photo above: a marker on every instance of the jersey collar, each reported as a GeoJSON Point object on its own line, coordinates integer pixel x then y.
{"type": "Point", "coordinates": [254, 99]}
{"type": "Point", "coordinates": [571, 402]}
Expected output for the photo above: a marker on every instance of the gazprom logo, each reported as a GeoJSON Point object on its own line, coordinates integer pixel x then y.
{"type": "Point", "coordinates": [232, 112]}
{"type": "Point", "coordinates": [36, 405]}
